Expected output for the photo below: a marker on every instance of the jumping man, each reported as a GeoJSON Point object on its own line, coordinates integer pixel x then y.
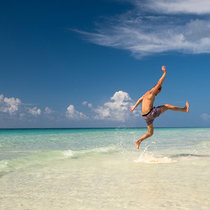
{"type": "Point", "coordinates": [149, 112]}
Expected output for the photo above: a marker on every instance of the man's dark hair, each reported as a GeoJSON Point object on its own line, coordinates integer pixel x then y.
{"type": "Point", "coordinates": [159, 87]}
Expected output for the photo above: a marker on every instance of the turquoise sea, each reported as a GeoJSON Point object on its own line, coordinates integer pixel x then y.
{"type": "Point", "coordinates": [93, 169]}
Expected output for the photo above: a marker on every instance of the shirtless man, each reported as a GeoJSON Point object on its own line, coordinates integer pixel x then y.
{"type": "Point", "coordinates": [149, 112]}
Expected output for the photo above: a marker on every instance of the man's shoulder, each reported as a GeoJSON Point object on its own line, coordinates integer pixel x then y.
{"type": "Point", "coordinates": [149, 94]}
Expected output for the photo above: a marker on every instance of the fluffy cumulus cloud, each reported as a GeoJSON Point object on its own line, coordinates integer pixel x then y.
{"type": "Point", "coordinates": [9, 105]}
{"type": "Point", "coordinates": [12, 105]}
{"type": "Point", "coordinates": [157, 27]}
{"type": "Point", "coordinates": [116, 109]}
{"type": "Point", "coordinates": [72, 113]}
{"type": "Point", "coordinates": [34, 111]}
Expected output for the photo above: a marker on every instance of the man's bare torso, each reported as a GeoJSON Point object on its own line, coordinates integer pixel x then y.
{"type": "Point", "coordinates": [147, 103]}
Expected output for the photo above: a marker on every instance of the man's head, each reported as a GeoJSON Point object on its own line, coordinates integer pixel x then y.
{"type": "Point", "coordinates": [158, 91]}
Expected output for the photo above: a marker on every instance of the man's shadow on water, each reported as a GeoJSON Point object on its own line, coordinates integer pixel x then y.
{"type": "Point", "coordinates": [189, 155]}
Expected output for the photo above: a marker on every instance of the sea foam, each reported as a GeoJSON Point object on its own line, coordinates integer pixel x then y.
{"type": "Point", "coordinates": [148, 157]}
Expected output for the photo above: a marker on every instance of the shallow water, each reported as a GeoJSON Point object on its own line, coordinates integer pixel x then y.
{"type": "Point", "coordinates": [100, 168]}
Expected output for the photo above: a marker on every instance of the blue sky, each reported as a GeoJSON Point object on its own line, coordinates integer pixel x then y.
{"type": "Point", "coordinates": [83, 63]}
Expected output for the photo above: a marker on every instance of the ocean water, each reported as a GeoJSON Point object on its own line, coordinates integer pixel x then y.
{"type": "Point", "coordinates": [79, 169]}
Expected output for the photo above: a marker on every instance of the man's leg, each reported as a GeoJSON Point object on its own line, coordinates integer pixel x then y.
{"type": "Point", "coordinates": [174, 108]}
{"type": "Point", "coordinates": [146, 135]}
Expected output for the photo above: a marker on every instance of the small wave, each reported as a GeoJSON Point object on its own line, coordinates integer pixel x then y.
{"type": "Point", "coordinates": [90, 152]}
{"type": "Point", "coordinates": [102, 150]}
{"type": "Point", "coordinates": [45, 157]}
{"type": "Point", "coordinates": [3, 164]}
{"type": "Point", "coordinates": [40, 158]}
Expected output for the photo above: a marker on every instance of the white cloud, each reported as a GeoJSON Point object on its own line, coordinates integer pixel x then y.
{"type": "Point", "coordinates": [72, 113]}
{"type": "Point", "coordinates": [116, 109]}
{"type": "Point", "coordinates": [205, 116]}
{"type": "Point", "coordinates": [144, 34]}
{"type": "Point", "coordinates": [13, 105]}
{"type": "Point", "coordinates": [1, 97]}
{"type": "Point", "coordinates": [90, 105]}
{"type": "Point", "coordinates": [178, 6]}
{"type": "Point", "coordinates": [85, 103]}
{"type": "Point", "coordinates": [9, 105]}
{"type": "Point", "coordinates": [47, 110]}
{"type": "Point", "coordinates": [34, 111]}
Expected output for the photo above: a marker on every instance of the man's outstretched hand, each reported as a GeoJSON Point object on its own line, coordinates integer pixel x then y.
{"type": "Point", "coordinates": [132, 108]}
{"type": "Point", "coordinates": [164, 69]}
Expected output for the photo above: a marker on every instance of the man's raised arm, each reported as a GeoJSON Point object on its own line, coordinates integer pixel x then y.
{"type": "Point", "coordinates": [160, 82]}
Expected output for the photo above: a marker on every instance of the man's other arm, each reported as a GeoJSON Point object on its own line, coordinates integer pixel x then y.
{"type": "Point", "coordinates": [137, 103]}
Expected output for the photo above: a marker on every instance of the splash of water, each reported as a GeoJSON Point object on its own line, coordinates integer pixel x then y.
{"type": "Point", "coordinates": [149, 157]}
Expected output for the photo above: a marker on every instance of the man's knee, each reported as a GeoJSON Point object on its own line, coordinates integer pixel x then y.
{"type": "Point", "coordinates": [164, 108]}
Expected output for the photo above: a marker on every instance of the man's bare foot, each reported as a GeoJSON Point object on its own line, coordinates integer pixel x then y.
{"type": "Point", "coordinates": [187, 106]}
{"type": "Point", "coordinates": [137, 144]}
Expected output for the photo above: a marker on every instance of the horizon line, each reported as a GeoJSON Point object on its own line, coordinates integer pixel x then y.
{"type": "Point", "coordinates": [34, 128]}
